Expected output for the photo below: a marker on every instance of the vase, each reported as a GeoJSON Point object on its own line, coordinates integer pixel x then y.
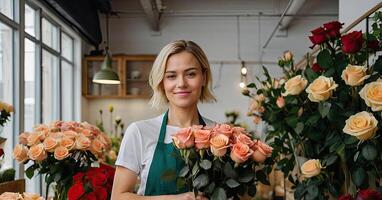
{"type": "Point", "coordinates": [60, 191]}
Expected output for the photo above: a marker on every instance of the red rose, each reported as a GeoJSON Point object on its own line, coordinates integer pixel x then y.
{"type": "Point", "coordinates": [101, 193]}
{"type": "Point", "coordinates": [352, 42]}
{"type": "Point", "coordinates": [346, 197]}
{"type": "Point", "coordinates": [76, 191]}
{"type": "Point", "coordinates": [368, 194]}
{"type": "Point", "coordinates": [373, 44]}
{"type": "Point", "coordinates": [78, 177]}
{"type": "Point", "coordinates": [99, 179]}
{"type": "Point", "coordinates": [91, 196]}
{"type": "Point", "coordinates": [316, 68]}
{"type": "Point", "coordinates": [333, 28]}
{"type": "Point", "coordinates": [1, 152]}
{"type": "Point", "coordinates": [318, 37]}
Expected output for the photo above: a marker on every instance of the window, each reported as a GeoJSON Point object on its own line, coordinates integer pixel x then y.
{"type": "Point", "coordinates": [6, 86]}
{"type": "Point", "coordinates": [30, 20]}
{"type": "Point", "coordinates": [6, 8]}
{"type": "Point", "coordinates": [50, 34]}
{"type": "Point", "coordinates": [50, 88]}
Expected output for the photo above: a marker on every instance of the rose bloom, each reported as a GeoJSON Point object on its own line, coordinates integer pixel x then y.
{"type": "Point", "coordinates": [223, 129]}
{"type": "Point", "coordinates": [97, 147]}
{"type": "Point", "coordinates": [280, 102]}
{"type": "Point", "coordinates": [40, 127]}
{"type": "Point", "coordinates": [219, 144]}
{"type": "Point", "coordinates": [50, 144]}
{"type": "Point", "coordinates": [317, 68]}
{"type": "Point", "coordinates": [20, 153]}
{"type": "Point", "coordinates": [31, 196]}
{"type": "Point", "coordinates": [33, 139]}
{"type": "Point", "coordinates": [261, 151]}
{"type": "Point", "coordinates": [321, 89]}
{"type": "Point", "coordinates": [67, 142]}
{"type": "Point", "coordinates": [87, 132]}
{"type": "Point", "coordinates": [61, 153]}
{"type": "Point", "coordinates": [333, 28]}
{"type": "Point", "coordinates": [346, 197]}
{"type": "Point", "coordinates": [288, 56]}
{"type": "Point", "coordinates": [7, 107]}
{"type": "Point", "coordinates": [368, 194]}
{"type": "Point", "coordinates": [237, 131]}
{"type": "Point", "coordinates": [244, 139]}
{"type": "Point", "coordinates": [82, 143]}
{"type": "Point", "coordinates": [362, 125]}
{"type": "Point", "coordinates": [202, 139]}
{"type": "Point", "coordinates": [57, 135]}
{"type": "Point", "coordinates": [311, 168]}
{"type": "Point", "coordinates": [255, 105]}
{"type": "Point", "coordinates": [240, 152]}
{"type": "Point", "coordinates": [354, 75]}
{"type": "Point", "coordinates": [371, 93]}
{"type": "Point", "coordinates": [318, 36]}
{"type": "Point", "coordinates": [352, 42]}
{"type": "Point", "coordinates": [256, 119]}
{"type": "Point", "coordinates": [71, 134]}
{"type": "Point", "coordinates": [260, 98]}
{"type": "Point", "coordinates": [184, 138]}
{"type": "Point", "coordinates": [37, 152]}
{"type": "Point", "coordinates": [11, 196]}
{"type": "Point", "coordinates": [295, 86]}
{"type": "Point", "coordinates": [23, 138]}
{"type": "Point", "coordinates": [104, 139]}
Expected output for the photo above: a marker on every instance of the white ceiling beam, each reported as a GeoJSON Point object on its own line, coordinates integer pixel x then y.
{"type": "Point", "coordinates": [152, 11]}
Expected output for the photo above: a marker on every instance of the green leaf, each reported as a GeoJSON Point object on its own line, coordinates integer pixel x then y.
{"type": "Point", "coordinates": [356, 155]}
{"type": "Point", "coordinates": [331, 159]}
{"type": "Point", "coordinates": [210, 188]}
{"type": "Point", "coordinates": [358, 176]}
{"type": "Point", "coordinates": [219, 194]}
{"type": "Point", "coordinates": [246, 177]}
{"type": "Point", "coordinates": [292, 121]}
{"type": "Point", "coordinates": [310, 74]}
{"type": "Point", "coordinates": [251, 85]}
{"type": "Point", "coordinates": [184, 171]}
{"type": "Point", "coordinates": [195, 169]}
{"type": "Point", "coordinates": [313, 191]}
{"type": "Point", "coordinates": [313, 119]}
{"type": "Point", "coordinates": [378, 65]}
{"type": "Point", "coordinates": [369, 152]}
{"type": "Point", "coordinates": [324, 59]}
{"type": "Point", "coordinates": [200, 181]}
{"type": "Point", "coordinates": [229, 171]}
{"type": "Point", "coordinates": [232, 183]}
{"type": "Point", "coordinates": [299, 128]}
{"type": "Point", "coordinates": [30, 171]}
{"type": "Point", "coordinates": [324, 108]}
{"type": "Point", "coordinates": [205, 164]}
{"type": "Point", "coordinates": [329, 72]}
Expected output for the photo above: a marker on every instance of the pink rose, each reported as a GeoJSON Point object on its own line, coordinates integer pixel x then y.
{"type": "Point", "coordinates": [223, 129]}
{"type": "Point", "coordinates": [184, 138]}
{"type": "Point", "coordinates": [240, 152]}
{"type": "Point", "coordinates": [280, 102]}
{"type": "Point", "coordinates": [219, 145]}
{"type": "Point", "coordinates": [202, 139]}
{"type": "Point", "coordinates": [245, 139]}
{"type": "Point", "coordinates": [261, 151]}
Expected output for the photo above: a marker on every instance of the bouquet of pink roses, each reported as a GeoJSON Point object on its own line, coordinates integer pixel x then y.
{"type": "Point", "coordinates": [221, 161]}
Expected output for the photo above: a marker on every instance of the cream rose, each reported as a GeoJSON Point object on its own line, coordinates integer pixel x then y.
{"type": "Point", "coordinates": [219, 144]}
{"type": "Point", "coordinates": [288, 56]}
{"type": "Point", "coordinates": [321, 89]}
{"type": "Point", "coordinates": [371, 93]}
{"type": "Point", "coordinates": [240, 152]}
{"type": "Point", "coordinates": [354, 75]}
{"type": "Point", "coordinates": [20, 153]}
{"type": "Point", "coordinates": [37, 152]}
{"type": "Point", "coordinates": [261, 151]}
{"type": "Point", "coordinates": [50, 144]}
{"type": "Point", "coordinates": [60, 153]}
{"type": "Point", "coordinates": [184, 138]}
{"type": "Point", "coordinates": [311, 168]}
{"type": "Point", "coordinates": [202, 139]}
{"type": "Point", "coordinates": [362, 125]}
{"type": "Point", "coordinates": [295, 86]}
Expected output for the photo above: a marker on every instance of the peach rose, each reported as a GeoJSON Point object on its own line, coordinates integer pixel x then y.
{"type": "Point", "coordinates": [50, 144]}
{"type": "Point", "coordinates": [40, 127]}
{"type": "Point", "coordinates": [256, 119]}
{"type": "Point", "coordinates": [219, 144]}
{"type": "Point", "coordinates": [20, 153]}
{"type": "Point", "coordinates": [260, 98]}
{"type": "Point", "coordinates": [82, 143]}
{"type": "Point", "coordinates": [11, 196]}
{"type": "Point", "coordinates": [33, 139]}
{"type": "Point", "coordinates": [70, 134]}
{"type": "Point", "coordinates": [311, 168]}
{"type": "Point", "coordinates": [37, 152]}
{"type": "Point", "coordinates": [321, 89]}
{"type": "Point", "coordinates": [112, 155]}
{"type": "Point", "coordinates": [7, 107]}
{"type": "Point", "coordinates": [97, 147]}
{"type": "Point", "coordinates": [280, 102]}
{"type": "Point", "coordinates": [184, 138]}
{"type": "Point", "coordinates": [371, 93]}
{"type": "Point", "coordinates": [237, 131]}
{"type": "Point", "coordinates": [60, 153]}
{"type": "Point", "coordinates": [295, 86]}
{"type": "Point", "coordinates": [31, 196]}
{"type": "Point", "coordinates": [255, 106]}
{"type": "Point", "coordinates": [261, 151]}
{"type": "Point", "coordinates": [23, 138]}
{"type": "Point", "coordinates": [202, 139]}
{"type": "Point", "coordinates": [354, 75]}
{"type": "Point", "coordinates": [288, 56]}
{"type": "Point", "coordinates": [67, 142]}
{"type": "Point", "coordinates": [362, 125]}
{"type": "Point", "coordinates": [104, 139]}
{"type": "Point", "coordinates": [240, 152]}
{"type": "Point", "coordinates": [86, 132]}
{"type": "Point", "coordinates": [223, 129]}
{"type": "Point", "coordinates": [244, 139]}
{"type": "Point", "coordinates": [57, 135]}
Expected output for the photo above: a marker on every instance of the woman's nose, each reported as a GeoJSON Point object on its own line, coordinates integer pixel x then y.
{"type": "Point", "coordinates": [181, 82]}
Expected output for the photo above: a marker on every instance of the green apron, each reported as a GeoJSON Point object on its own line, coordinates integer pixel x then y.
{"type": "Point", "coordinates": [166, 159]}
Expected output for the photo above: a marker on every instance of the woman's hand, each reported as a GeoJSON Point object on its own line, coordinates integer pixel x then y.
{"type": "Point", "coordinates": [190, 196]}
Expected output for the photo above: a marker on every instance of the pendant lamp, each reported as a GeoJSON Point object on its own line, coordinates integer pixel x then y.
{"type": "Point", "coordinates": [106, 75]}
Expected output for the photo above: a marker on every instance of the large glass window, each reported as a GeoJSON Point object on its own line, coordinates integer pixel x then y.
{"type": "Point", "coordinates": [30, 85]}
{"type": "Point", "coordinates": [6, 86]}
{"type": "Point", "coordinates": [67, 46]}
{"type": "Point", "coordinates": [30, 20]}
{"type": "Point", "coordinates": [50, 34]}
{"type": "Point", "coordinates": [6, 7]}
{"type": "Point", "coordinates": [50, 88]}
{"type": "Point", "coordinates": [67, 86]}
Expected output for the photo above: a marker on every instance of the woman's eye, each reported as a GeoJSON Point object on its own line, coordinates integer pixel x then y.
{"type": "Point", "coordinates": [192, 74]}
{"type": "Point", "coordinates": [170, 76]}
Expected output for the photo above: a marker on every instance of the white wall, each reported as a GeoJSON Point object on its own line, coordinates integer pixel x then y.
{"type": "Point", "coordinates": [131, 34]}
{"type": "Point", "coordinates": [350, 10]}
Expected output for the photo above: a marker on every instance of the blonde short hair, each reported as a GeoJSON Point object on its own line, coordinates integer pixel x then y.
{"type": "Point", "coordinates": [159, 98]}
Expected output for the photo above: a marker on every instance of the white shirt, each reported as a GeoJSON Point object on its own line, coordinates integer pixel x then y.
{"type": "Point", "coordinates": [139, 143]}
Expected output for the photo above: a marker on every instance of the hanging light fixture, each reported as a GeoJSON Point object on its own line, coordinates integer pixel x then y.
{"type": "Point", "coordinates": [106, 75]}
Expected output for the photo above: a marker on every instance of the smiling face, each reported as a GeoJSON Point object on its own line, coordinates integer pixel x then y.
{"type": "Point", "coordinates": [183, 80]}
